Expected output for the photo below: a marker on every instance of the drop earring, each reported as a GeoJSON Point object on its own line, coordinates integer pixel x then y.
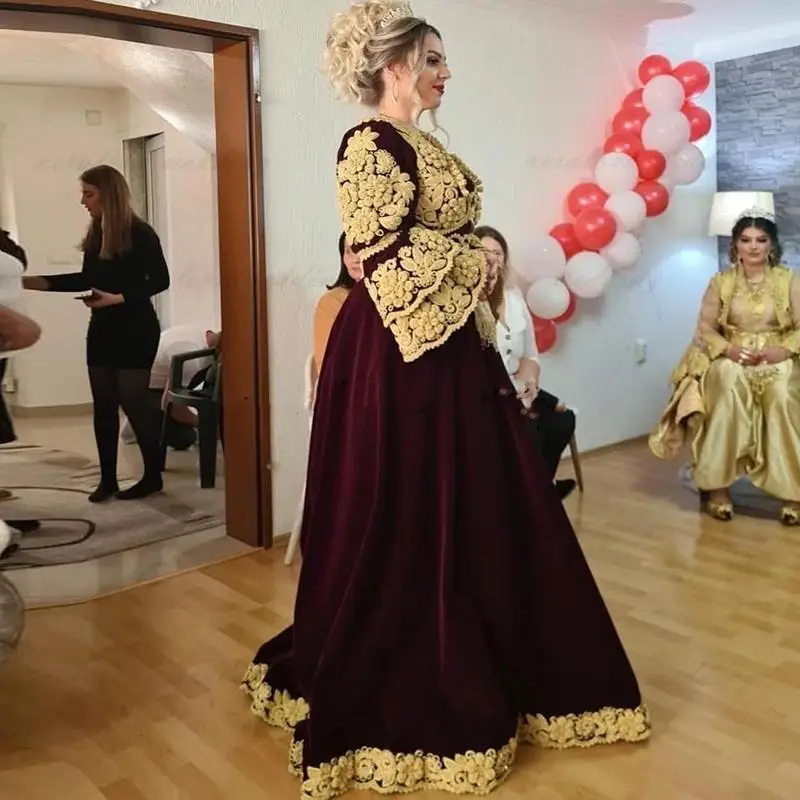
{"type": "Point", "coordinates": [395, 90]}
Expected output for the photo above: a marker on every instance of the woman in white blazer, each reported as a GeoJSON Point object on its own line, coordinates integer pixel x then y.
{"type": "Point", "coordinates": [551, 422]}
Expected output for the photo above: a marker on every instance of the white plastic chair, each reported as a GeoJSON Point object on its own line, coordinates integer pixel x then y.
{"type": "Point", "coordinates": [308, 403]}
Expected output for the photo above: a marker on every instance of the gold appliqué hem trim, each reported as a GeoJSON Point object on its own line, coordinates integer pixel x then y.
{"type": "Point", "coordinates": [475, 773]}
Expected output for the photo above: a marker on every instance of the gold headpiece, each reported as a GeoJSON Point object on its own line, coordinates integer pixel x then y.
{"type": "Point", "coordinates": [398, 12]}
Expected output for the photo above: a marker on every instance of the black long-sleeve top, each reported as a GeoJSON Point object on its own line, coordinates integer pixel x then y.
{"type": "Point", "coordinates": [137, 275]}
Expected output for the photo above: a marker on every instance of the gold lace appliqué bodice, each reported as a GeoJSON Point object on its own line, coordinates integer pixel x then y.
{"type": "Point", "coordinates": [409, 208]}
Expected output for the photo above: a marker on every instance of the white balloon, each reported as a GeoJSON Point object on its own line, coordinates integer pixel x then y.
{"type": "Point", "coordinates": [544, 258]}
{"type": "Point", "coordinates": [663, 93]}
{"type": "Point", "coordinates": [687, 165]}
{"type": "Point", "coordinates": [629, 209]}
{"type": "Point", "coordinates": [623, 252]}
{"type": "Point", "coordinates": [548, 298]}
{"type": "Point", "coordinates": [667, 132]}
{"type": "Point", "coordinates": [588, 274]}
{"type": "Point", "coordinates": [616, 172]}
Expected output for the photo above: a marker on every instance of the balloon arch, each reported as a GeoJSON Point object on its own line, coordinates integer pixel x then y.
{"type": "Point", "coordinates": [650, 151]}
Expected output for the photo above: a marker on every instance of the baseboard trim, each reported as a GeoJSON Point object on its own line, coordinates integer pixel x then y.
{"type": "Point", "coordinates": [39, 412]}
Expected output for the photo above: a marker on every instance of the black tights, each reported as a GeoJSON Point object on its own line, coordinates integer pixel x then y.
{"type": "Point", "coordinates": [130, 389]}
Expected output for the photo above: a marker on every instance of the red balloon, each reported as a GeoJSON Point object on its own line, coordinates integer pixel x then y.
{"type": "Point", "coordinates": [569, 313]}
{"type": "Point", "coordinates": [595, 228]}
{"type": "Point", "coordinates": [630, 120]}
{"type": "Point", "coordinates": [651, 164]}
{"type": "Point", "coordinates": [699, 120]}
{"type": "Point", "coordinates": [634, 99]}
{"type": "Point", "coordinates": [694, 76]}
{"type": "Point", "coordinates": [545, 333]}
{"type": "Point", "coordinates": [656, 197]}
{"type": "Point", "coordinates": [585, 195]}
{"type": "Point", "coordinates": [652, 66]}
{"type": "Point", "coordinates": [564, 234]}
{"type": "Point", "coordinates": [627, 143]}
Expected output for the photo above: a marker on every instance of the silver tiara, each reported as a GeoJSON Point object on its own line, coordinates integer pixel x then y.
{"type": "Point", "coordinates": [756, 213]}
{"type": "Point", "coordinates": [398, 12]}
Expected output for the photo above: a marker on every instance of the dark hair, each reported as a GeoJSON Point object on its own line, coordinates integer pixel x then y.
{"type": "Point", "coordinates": [488, 232]}
{"type": "Point", "coordinates": [765, 226]}
{"type": "Point", "coordinates": [11, 248]}
{"type": "Point", "coordinates": [343, 280]}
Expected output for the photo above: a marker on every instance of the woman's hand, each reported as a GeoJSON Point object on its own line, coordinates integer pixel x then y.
{"type": "Point", "coordinates": [528, 374]}
{"type": "Point", "coordinates": [103, 299]}
{"type": "Point", "coordinates": [37, 283]}
{"type": "Point", "coordinates": [741, 356]}
{"type": "Point", "coordinates": [772, 355]}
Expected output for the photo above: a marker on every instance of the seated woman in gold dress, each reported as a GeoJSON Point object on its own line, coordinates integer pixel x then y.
{"type": "Point", "coordinates": [736, 391]}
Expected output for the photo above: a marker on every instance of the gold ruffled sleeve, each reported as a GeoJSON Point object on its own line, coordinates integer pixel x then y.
{"type": "Point", "coordinates": [425, 284]}
{"type": "Point", "coordinates": [791, 340]}
{"type": "Point", "coordinates": [686, 399]}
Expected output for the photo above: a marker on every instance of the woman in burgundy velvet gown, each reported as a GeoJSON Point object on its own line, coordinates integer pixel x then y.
{"type": "Point", "coordinates": [445, 610]}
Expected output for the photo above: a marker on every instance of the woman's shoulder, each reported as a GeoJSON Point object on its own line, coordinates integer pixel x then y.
{"type": "Point", "coordinates": [142, 230]}
{"type": "Point", "coordinates": [371, 135]}
{"type": "Point", "coordinates": [332, 299]}
{"type": "Point", "coordinates": [516, 307]}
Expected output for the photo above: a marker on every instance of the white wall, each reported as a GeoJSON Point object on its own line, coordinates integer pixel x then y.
{"type": "Point", "coordinates": [531, 97]}
{"type": "Point", "coordinates": [47, 145]}
{"type": "Point", "coordinates": [191, 240]}
{"type": "Point", "coordinates": [761, 40]}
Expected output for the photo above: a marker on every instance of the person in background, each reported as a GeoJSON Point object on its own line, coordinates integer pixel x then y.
{"type": "Point", "coordinates": [180, 431]}
{"type": "Point", "coordinates": [330, 304]}
{"type": "Point", "coordinates": [445, 611]}
{"type": "Point", "coordinates": [123, 268]}
{"type": "Point", "coordinates": [17, 332]}
{"type": "Point", "coordinates": [551, 423]}
{"type": "Point", "coordinates": [736, 391]}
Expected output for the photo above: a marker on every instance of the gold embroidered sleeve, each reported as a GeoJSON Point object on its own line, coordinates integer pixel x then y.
{"type": "Point", "coordinates": [708, 343]}
{"type": "Point", "coordinates": [708, 337]}
{"type": "Point", "coordinates": [424, 284]}
{"type": "Point", "coordinates": [424, 317]}
{"type": "Point", "coordinates": [791, 341]}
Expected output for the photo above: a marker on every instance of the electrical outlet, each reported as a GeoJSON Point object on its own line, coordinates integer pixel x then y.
{"type": "Point", "coordinates": [641, 351]}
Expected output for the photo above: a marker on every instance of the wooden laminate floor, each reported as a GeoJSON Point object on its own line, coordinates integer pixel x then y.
{"type": "Point", "coordinates": [134, 697]}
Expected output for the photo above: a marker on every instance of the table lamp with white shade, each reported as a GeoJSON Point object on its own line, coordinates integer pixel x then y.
{"type": "Point", "coordinates": [728, 206]}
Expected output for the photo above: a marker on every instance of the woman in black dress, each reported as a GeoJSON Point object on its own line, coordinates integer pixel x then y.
{"type": "Point", "coordinates": [123, 268]}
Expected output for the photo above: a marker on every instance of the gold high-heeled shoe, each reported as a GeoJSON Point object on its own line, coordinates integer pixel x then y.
{"type": "Point", "coordinates": [790, 515]}
{"type": "Point", "coordinates": [720, 511]}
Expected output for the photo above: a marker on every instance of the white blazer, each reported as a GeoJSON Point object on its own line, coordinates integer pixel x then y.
{"type": "Point", "coordinates": [10, 280]}
{"type": "Point", "coordinates": [10, 286]}
{"type": "Point", "coordinates": [515, 339]}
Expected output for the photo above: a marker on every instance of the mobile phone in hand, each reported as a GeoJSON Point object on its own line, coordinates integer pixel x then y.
{"type": "Point", "coordinates": [87, 295]}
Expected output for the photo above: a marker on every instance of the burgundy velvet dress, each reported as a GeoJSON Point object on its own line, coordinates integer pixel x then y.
{"type": "Point", "coordinates": [445, 610]}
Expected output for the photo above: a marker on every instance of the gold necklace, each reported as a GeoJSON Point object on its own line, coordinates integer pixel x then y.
{"type": "Point", "coordinates": [758, 292]}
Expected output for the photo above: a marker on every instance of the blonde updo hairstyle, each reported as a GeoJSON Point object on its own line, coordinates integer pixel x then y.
{"type": "Point", "coordinates": [359, 49]}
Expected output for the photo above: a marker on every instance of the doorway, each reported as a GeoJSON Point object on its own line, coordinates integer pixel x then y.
{"type": "Point", "coordinates": [239, 177]}
{"type": "Point", "coordinates": [155, 173]}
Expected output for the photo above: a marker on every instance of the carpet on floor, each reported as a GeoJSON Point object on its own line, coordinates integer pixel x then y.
{"type": "Point", "coordinates": [53, 486]}
{"type": "Point", "coordinates": [747, 499]}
